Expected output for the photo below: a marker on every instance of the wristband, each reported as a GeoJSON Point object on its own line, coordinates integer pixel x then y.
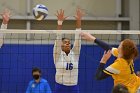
{"type": "Point", "coordinates": [77, 29]}
{"type": "Point", "coordinates": [59, 22]}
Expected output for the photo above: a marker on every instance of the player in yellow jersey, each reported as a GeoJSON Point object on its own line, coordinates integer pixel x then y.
{"type": "Point", "coordinates": [122, 70]}
{"type": "Point", "coordinates": [138, 74]}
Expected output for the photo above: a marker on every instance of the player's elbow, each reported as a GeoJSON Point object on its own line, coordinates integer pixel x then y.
{"type": "Point", "coordinates": [97, 77]}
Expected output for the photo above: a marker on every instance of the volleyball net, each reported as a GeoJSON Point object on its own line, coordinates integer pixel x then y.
{"type": "Point", "coordinates": [43, 36]}
{"type": "Point", "coordinates": [24, 49]}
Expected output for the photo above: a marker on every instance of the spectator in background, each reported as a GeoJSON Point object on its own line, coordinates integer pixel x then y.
{"type": "Point", "coordinates": [138, 73]}
{"type": "Point", "coordinates": [38, 84]}
{"type": "Point", "coordinates": [120, 89]}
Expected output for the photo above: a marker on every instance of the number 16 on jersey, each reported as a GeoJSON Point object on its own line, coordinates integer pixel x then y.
{"type": "Point", "coordinates": [69, 66]}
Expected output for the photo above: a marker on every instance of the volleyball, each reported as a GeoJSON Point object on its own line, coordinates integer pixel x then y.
{"type": "Point", "coordinates": [40, 12]}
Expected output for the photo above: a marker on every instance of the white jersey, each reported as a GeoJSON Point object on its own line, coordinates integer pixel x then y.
{"type": "Point", "coordinates": [67, 66]}
{"type": "Point", "coordinates": [3, 26]}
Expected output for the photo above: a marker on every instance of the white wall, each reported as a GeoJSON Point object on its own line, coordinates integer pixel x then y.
{"type": "Point", "coordinates": [92, 7]}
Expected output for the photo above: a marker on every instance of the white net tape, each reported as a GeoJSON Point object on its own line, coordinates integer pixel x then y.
{"type": "Point", "coordinates": [48, 36]}
{"type": "Point", "coordinates": [12, 31]}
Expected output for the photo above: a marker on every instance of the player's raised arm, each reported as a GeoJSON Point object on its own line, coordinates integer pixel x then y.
{"type": "Point", "coordinates": [5, 16]}
{"type": "Point", "coordinates": [102, 44]}
{"type": "Point", "coordinates": [77, 44]}
{"type": "Point", "coordinates": [57, 45]}
{"type": "Point", "coordinates": [100, 74]}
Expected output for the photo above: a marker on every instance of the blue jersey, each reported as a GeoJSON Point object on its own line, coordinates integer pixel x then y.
{"type": "Point", "coordinates": [40, 87]}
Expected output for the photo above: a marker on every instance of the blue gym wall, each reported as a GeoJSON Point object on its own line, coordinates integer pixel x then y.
{"type": "Point", "coordinates": [16, 62]}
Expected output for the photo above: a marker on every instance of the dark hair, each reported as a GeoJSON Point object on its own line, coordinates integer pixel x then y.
{"type": "Point", "coordinates": [120, 89]}
{"type": "Point", "coordinates": [129, 49]}
{"type": "Point", "coordinates": [65, 38]}
{"type": "Point", "coordinates": [36, 69]}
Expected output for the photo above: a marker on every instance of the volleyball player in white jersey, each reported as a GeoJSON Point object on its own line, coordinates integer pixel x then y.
{"type": "Point", "coordinates": [5, 16]}
{"type": "Point", "coordinates": [66, 59]}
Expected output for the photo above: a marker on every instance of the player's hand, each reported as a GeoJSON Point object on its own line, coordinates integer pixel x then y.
{"type": "Point", "coordinates": [78, 17]}
{"type": "Point", "coordinates": [106, 56]}
{"type": "Point", "coordinates": [79, 14]}
{"type": "Point", "coordinates": [87, 36]}
{"type": "Point", "coordinates": [6, 16]}
{"type": "Point", "coordinates": [60, 15]}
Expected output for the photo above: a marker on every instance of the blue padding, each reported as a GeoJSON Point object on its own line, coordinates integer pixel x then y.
{"type": "Point", "coordinates": [17, 61]}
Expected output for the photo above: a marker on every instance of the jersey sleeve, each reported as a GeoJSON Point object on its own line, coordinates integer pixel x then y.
{"type": "Point", "coordinates": [100, 74]}
{"type": "Point", "coordinates": [113, 68]}
{"type": "Point", "coordinates": [114, 52]}
{"type": "Point", "coordinates": [57, 48]}
{"type": "Point", "coordinates": [77, 43]}
{"type": "Point", "coordinates": [2, 36]}
{"type": "Point", "coordinates": [103, 44]}
{"type": "Point", "coordinates": [4, 26]}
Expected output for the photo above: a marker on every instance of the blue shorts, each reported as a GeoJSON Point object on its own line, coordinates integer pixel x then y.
{"type": "Point", "coordinates": [59, 88]}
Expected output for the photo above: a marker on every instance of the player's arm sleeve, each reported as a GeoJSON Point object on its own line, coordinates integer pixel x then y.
{"type": "Point", "coordinates": [57, 48]}
{"type": "Point", "coordinates": [47, 87]}
{"type": "Point", "coordinates": [100, 74]}
{"type": "Point", "coordinates": [115, 52]}
{"type": "Point", "coordinates": [3, 26]}
{"type": "Point", "coordinates": [113, 68]}
{"type": "Point", "coordinates": [103, 45]}
{"type": "Point", "coordinates": [107, 47]}
{"type": "Point", "coordinates": [77, 43]}
{"type": "Point", "coordinates": [28, 90]}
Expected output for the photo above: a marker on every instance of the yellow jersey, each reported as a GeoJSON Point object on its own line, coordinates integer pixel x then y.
{"type": "Point", "coordinates": [123, 73]}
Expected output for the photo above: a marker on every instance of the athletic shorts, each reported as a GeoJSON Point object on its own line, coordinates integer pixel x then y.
{"type": "Point", "coordinates": [59, 88]}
